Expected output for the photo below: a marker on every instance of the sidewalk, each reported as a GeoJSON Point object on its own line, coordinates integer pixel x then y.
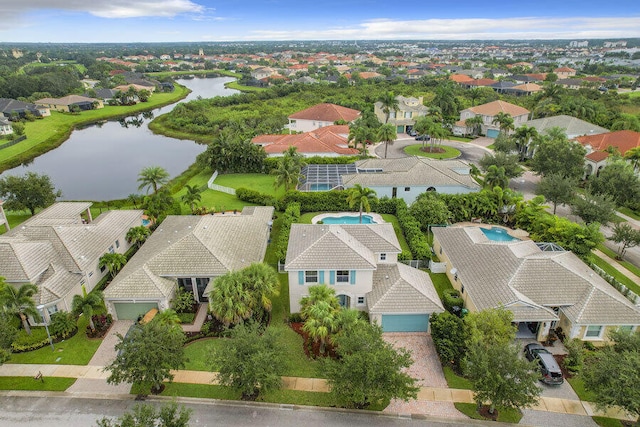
{"type": "Point", "coordinates": [617, 265]}
{"type": "Point", "coordinates": [425, 394]}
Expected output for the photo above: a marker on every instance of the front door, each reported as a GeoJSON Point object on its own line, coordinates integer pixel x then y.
{"type": "Point", "coordinates": [394, 192]}
{"type": "Point", "coordinates": [201, 284]}
{"type": "Point", "coordinates": [344, 301]}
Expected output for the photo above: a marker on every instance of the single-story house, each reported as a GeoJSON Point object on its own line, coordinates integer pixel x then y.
{"type": "Point", "coordinates": [3, 218]}
{"type": "Point", "coordinates": [5, 126]}
{"type": "Point", "coordinates": [188, 252]}
{"type": "Point", "coordinates": [488, 112]}
{"type": "Point", "coordinates": [67, 103]}
{"type": "Point", "coordinates": [59, 248]}
{"type": "Point", "coordinates": [320, 115]}
{"type": "Point", "coordinates": [12, 108]}
{"type": "Point", "coordinates": [564, 72]}
{"type": "Point", "coordinates": [544, 286]}
{"type": "Point", "coordinates": [329, 141]}
{"type": "Point", "coordinates": [409, 109]}
{"type": "Point", "coordinates": [360, 261]}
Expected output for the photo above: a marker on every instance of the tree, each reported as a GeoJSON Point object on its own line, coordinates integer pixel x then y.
{"type": "Point", "coordinates": [618, 180]}
{"type": "Point", "coordinates": [625, 234]}
{"type": "Point", "coordinates": [491, 327]}
{"type": "Point", "coordinates": [30, 191]}
{"type": "Point", "coordinates": [556, 154]}
{"type": "Point", "coordinates": [158, 205]}
{"type": "Point", "coordinates": [368, 370]}
{"type": "Point", "coordinates": [146, 416]}
{"type": "Point", "coordinates": [387, 134]}
{"type": "Point", "coordinates": [168, 318]}
{"type": "Point", "coordinates": [113, 262]}
{"type": "Point", "coordinates": [152, 177]}
{"type": "Point", "coordinates": [134, 199]}
{"type": "Point", "coordinates": [147, 355]}
{"type": "Point", "coordinates": [8, 333]}
{"type": "Point", "coordinates": [191, 196]}
{"type": "Point", "coordinates": [389, 103]}
{"type": "Point", "coordinates": [633, 155]}
{"type": "Point", "coordinates": [593, 208]}
{"type": "Point", "coordinates": [229, 301]}
{"type": "Point", "coordinates": [495, 177]}
{"type": "Point", "coordinates": [557, 189]}
{"type": "Point", "coordinates": [504, 121]}
{"type": "Point", "coordinates": [474, 125]}
{"type": "Point", "coordinates": [359, 135]}
{"type": "Point", "coordinates": [501, 377]}
{"type": "Point", "coordinates": [525, 137]}
{"type": "Point", "coordinates": [450, 335]}
{"type": "Point", "coordinates": [509, 162]}
{"type": "Point", "coordinates": [137, 235]}
{"type": "Point", "coordinates": [19, 302]}
{"type": "Point", "coordinates": [288, 170]}
{"type": "Point", "coordinates": [360, 197]}
{"type": "Point", "coordinates": [86, 304]}
{"type": "Point", "coordinates": [144, 95]}
{"type": "Point", "coordinates": [262, 283]}
{"type": "Point", "coordinates": [429, 209]}
{"type": "Point", "coordinates": [251, 361]}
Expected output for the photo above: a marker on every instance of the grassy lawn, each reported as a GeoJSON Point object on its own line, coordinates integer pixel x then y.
{"type": "Point", "coordinates": [608, 422]}
{"type": "Point", "coordinates": [28, 383]}
{"type": "Point", "coordinates": [49, 132]}
{"type": "Point", "coordinates": [504, 415]}
{"type": "Point", "coordinates": [441, 282]}
{"type": "Point", "coordinates": [416, 150]}
{"type": "Point", "coordinates": [615, 273]}
{"type": "Point", "coordinates": [238, 86]}
{"type": "Point", "coordinates": [77, 350]}
{"type": "Point", "coordinates": [456, 381]}
{"type": "Point", "coordinates": [459, 138]}
{"type": "Point", "coordinates": [198, 353]}
{"type": "Point", "coordinates": [629, 212]}
{"type": "Point", "coordinates": [578, 386]}
{"type": "Point", "coordinates": [632, 268]}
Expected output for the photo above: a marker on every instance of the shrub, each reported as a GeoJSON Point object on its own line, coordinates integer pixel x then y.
{"type": "Point", "coordinates": [318, 201]}
{"type": "Point", "coordinates": [295, 318]}
{"type": "Point", "coordinates": [63, 325]}
{"type": "Point", "coordinates": [451, 298]}
{"type": "Point", "coordinates": [183, 301]}
{"type": "Point", "coordinates": [416, 239]}
{"type": "Point", "coordinates": [588, 345]}
{"type": "Point", "coordinates": [24, 342]}
{"type": "Point", "coordinates": [271, 163]}
{"type": "Point", "coordinates": [575, 357]}
{"type": "Point", "coordinates": [291, 215]}
{"type": "Point", "coordinates": [253, 196]}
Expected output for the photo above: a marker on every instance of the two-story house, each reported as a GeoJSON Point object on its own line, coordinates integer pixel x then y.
{"type": "Point", "coordinates": [488, 112]}
{"type": "Point", "coordinates": [360, 261]}
{"type": "Point", "coordinates": [319, 116]}
{"type": "Point", "coordinates": [5, 127]}
{"type": "Point", "coordinates": [405, 116]}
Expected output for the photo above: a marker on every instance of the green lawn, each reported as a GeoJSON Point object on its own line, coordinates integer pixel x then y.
{"type": "Point", "coordinates": [611, 254]}
{"type": "Point", "coordinates": [416, 150]}
{"type": "Point", "coordinates": [28, 383]}
{"type": "Point", "coordinates": [578, 386]}
{"type": "Point", "coordinates": [49, 132]}
{"type": "Point", "coordinates": [629, 212]}
{"type": "Point", "coordinates": [441, 282]}
{"type": "Point", "coordinates": [629, 283]}
{"type": "Point", "coordinates": [77, 350]}
{"type": "Point", "coordinates": [608, 422]}
{"type": "Point", "coordinates": [504, 415]}
{"type": "Point", "coordinates": [198, 354]}
{"type": "Point", "coordinates": [456, 381]}
{"type": "Point", "coordinates": [459, 138]}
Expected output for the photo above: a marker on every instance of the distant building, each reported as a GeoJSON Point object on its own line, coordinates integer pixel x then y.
{"type": "Point", "coordinates": [575, 43]}
{"type": "Point", "coordinates": [321, 115]}
{"type": "Point", "coordinates": [620, 43]}
{"type": "Point", "coordinates": [409, 109]}
{"type": "Point", "coordinates": [488, 112]}
{"type": "Point", "coordinates": [329, 141]}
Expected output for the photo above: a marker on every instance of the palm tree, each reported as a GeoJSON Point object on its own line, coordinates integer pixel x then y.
{"type": "Point", "coordinates": [495, 177]}
{"type": "Point", "coordinates": [262, 282]}
{"type": "Point", "coordinates": [438, 134]}
{"type": "Point", "coordinates": [319, 293]}
{"type": "Point", "coordinates": [114, 262]}
{"type": "Point", "coordinates": [389, 103]}
{"type": "Point", "coordinates": [191, 196]}
{"type": "Point", "coordinates": [359, 196]}
{"type": "Point", "coordinates": [229, 302]}
{"type": "Point", "coordinates": [320, 322]}
{"type": "Point", "coordinates": [288, 170]}
{"type": "Point", "coordinates": [634, 156]}
{"type": "Point", "coordinates": [359, 135]}
{"type": "Point", "coordinates": [524, 136]}
{"type": "Point", "coordinates": [475, 124]}
{"type": "Point", "coordinates": [138, 235]}
{"type": "Point", "coordinates": [504, 121]}
{"type": "Point", "coordinates": [387, 134]}
{"type": "Point", "coordinates": [19, 302]}
{"type": "Point", "coordinates": [86, 305]}
{"type": "Point", "coordinates": [152, 177]}
{"type": "Point", "coordinates": [167, 317]}
{"type": "Point", "coordinates": [134, 199]}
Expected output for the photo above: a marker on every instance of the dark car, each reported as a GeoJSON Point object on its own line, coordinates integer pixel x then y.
{"type": "Point", "coordinates": [412, 133]}
{"type": "Point", "coordinates": [423, 138]}
{"type": "Point", "coordinates": [551, 373]}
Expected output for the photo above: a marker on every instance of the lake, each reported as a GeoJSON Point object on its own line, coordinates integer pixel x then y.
{"type": "Point", "coordinates": [102, 161]}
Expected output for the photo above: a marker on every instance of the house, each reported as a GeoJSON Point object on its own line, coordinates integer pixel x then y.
{"type": "Point", "coordinates": [3, 218]}
{"type": "Point", "coordinates": [621, 141]}
{"type": "Point", "coordinates": [488, 112]}
{"type": "Point", "coordinates": [524, 89]}
{"type": "Point", "coordinates": [12, 108]}
{"type": "Point", "coordinates": [329, 141]}
{"type": "Point", "coordinates": [409, 109]}
{"type": "Point", "coordinates": [360, 261]}
{"type": "Point", "coordinates": [564, 72]}
{"type": "Point", "coordinates": [263, 73]}
{"type": "Point", "coordinates": [321, 115]}
{"type": "Point", "coordinates": [68, 103]}
{"type": "Point", "coordinates": [188, 252]}
{"type": "Point", "coordinates": [572, 126]}
{"type": "Point", "coordinates": [544, 286]}
{"type": "Point", "coordinates": [5, 126]}
{"type": "Point", "coordinates": [58, 250]}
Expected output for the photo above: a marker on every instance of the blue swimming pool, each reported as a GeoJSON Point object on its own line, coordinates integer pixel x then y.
{"type": "Point", "coordinates": [498, 234]}
{"type": "Point", "coordinates": [145, 222]}
{"type": "Point", "coordinates": [348, 219]}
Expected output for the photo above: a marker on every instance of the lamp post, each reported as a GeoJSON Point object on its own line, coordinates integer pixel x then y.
{"type": "Point", "coordinates": [46, 326]}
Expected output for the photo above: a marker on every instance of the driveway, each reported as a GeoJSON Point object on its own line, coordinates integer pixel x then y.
{"type": "Point", "coordinates": [427, 370]}
{"type": "Point", "coordinates": [470, 152]}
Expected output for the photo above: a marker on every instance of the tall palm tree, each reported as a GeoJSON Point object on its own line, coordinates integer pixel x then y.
{"type": "Point", "coordinates": [138, 235]}
{"type": "Point", "coordinates": [495, 177]}
{"type": "Point", "coordinates": [287, 172]}
{"type": "Point", "coordinates": [387, 134]}
{"type": "Point", "coordinates": [359, 196]}
{"type": "Point", "coordinates": [504, 121]}
{"type": "Point", "coordinates": [113, 262]}
{"type": "Point", "coordinates": [475, 124]}
{"type": "Point", "coordinates": [634, 156]}
{"type": "Point", "coordinates": [19, 301]}
{"type": "Point", "coordinates": [229, 301]}
{"type": "Point", "coordinates": [320, 322]}
{"type": "Point", "coordinates": [191, 196]}
{"type": "Point", "coordinates": [86, 304]}
{"type": "Point", "coordinates": [359, 135]}
{"type": "Point", "coordinates": [524, 136]}
{"type": "Point", "coordinates": [389, 103]}
{"type": "Point", "coordinates": [134, 199]}
{"type": "Point", "coordinates": [262, 282]}
{"type": "Point", "coordinates": [152, 177]}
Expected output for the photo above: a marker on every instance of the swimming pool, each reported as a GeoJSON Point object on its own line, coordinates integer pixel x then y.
{"type": "Point", "coordinates": [498, 234]}
{"type": "Point", "coordinates": [348, 219]}
{"type": "Point", "coordinates": [145, 222]}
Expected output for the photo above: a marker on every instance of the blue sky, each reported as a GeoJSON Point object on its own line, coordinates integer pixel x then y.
{"type": "Point", "coordinates": [231, 20]}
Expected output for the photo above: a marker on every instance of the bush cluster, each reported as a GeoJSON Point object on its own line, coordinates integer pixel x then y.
{"type": "Point", "coordinates": [256, 197]}
{"type": "Point", "coordinates": [318, 201]}
{"type": "Point", "coordinates": [291, 215]}
{"type": "Point", "coordinates": [416, 239]}
{"type": "Point", "coordinates": [451, 298]}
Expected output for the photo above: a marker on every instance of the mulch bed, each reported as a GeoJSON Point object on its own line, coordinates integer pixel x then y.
{"type": "Point", "coordinates": [484, 411]}
{"type": "Point", "coordinates": [560, 359]}
{"type": "Point", "coordinates": [435, 150]}
{"type": "Point", "coordinates": [312, 349]}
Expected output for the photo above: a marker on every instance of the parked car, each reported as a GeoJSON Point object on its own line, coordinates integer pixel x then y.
{"type": "Point", "coordinates": [423, 138]}
{"type": "Point", "coordinates": [551, 373]}
{"type": "Point", "coordinates": [413, 133]}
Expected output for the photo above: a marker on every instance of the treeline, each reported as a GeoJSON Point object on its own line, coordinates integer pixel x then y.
{"type": "Point", "coordinates": [54, 80]}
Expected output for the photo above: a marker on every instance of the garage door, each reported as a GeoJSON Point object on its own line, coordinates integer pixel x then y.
{"type": "Point", "coordinates": [492, 133]}
{"type": "Point", "coordinates": [131, 310]}
{"type": "Point", "coordinates": [405, 322]}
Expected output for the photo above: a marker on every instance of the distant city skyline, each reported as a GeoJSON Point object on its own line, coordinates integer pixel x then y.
{"type": "Point", "coordinates": [264, 20]}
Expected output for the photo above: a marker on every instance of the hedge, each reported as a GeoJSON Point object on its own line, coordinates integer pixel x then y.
{"type": "Point", "coordinates": [255, 197]}
{"type": "Point", "coordinates": [451, 298]}
{"type": "Point", "coordinates": [291, 215]}
{"type": "Point", "coordinates": [416, 239]}
{"type": "Point", "coordinates": [318, 201]}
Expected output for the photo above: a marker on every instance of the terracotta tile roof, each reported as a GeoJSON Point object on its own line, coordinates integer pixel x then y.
{"type": "Point", "coordinates": [597, 156]}
{"type": "Point", "coordinates": [495, 107]}
{"type": "Point", "coordinates": [329, 139]}
{"type": "Point", "coordinates": [623, 140]}
{"type": "Point", "coordinates": [528, 87]}
{"type": "Point", "coordinates": [537, 76]}
{"type": "Point", "coordinates": [369, 75]}
{"type": "Point", "coordinates": [564, 70]}
{"type": "Point", "coordinates": [594, 79]}
{"type": "Point", "coordinates": [460, 78]}
{"type": "Point", "coordinates": [327, 113]}
{"type": "Point", "coordinates": [482, 82]}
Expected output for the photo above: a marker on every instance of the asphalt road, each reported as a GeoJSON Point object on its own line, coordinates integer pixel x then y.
{"type": "Point", "coordinates": [469, 152]}
{"type": "Point", "coordinates": [25, 411]}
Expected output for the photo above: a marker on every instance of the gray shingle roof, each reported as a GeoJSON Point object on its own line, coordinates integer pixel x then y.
{"type": "Point", "coordinates": [324, 246]}
{"type": "Point", "coordinates": [573, 126]}
{"type": "Point", "coordinates": [398, 288]}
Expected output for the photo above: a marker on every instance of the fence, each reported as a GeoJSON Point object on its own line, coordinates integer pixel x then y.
{"type": "Point", "coordinates": [217, 187]}
{"type": "Point", "coordinates": [628, 293]}
{"type": "Point", "coordinates": [13, 142]}
{"type": "Point", "coordinates": [416, 263]}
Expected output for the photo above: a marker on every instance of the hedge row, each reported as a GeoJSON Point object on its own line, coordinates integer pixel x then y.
{"type": "Point", "coordinates": [255, 197]}
{"type": "Point", "coordinates": [291, 215]}
{"type": "Point", "coordinates": [416, 239]}
{"type": "Point", "coordinates": [318, 201]}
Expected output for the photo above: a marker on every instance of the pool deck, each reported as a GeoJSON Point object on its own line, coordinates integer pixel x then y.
{"type": "Point", "coordinates": [517, 233]}
{"type": "Point", "coordinates": [377, 218]}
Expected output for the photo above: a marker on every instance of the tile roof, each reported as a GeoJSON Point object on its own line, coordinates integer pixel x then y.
{"type": "Point", "coordinates": [597, 156]}
{"type": "Point", "coordinates": [623, 140]}
{"type": "Point", "coordinates": [460, 78]}
{"type": "Point", "coordinates": [528, 87]}
{"type": "Point", "coordinates": [519, 274]}
{"type": "Point", "coordinates": [572, 125]}
{"type": "Point", "coordinates": [398, 288]}
{"type": "Point", "coordinates": [328, 139]}
{"type": "Point", "coordinates": [65, 100]}
{"type": "Point", "coordinates": [327, 113]}
{"type": "Point", "coordinates": [324, 246]}
{"type": "Point", "coordinates": [495, 107]}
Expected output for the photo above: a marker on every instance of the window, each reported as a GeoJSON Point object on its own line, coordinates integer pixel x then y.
{"type": "Point", "coordinates": [593, 331]}
{"type": "Point", "coordinates": [625, 328]}
{"type": "Point", "coordinates": [52, 309]}
{"type": "Point", "coordinates": [117, 243]}
{"type": "Point", "coordinates": [90, 273]}
{"type": "Point", "coordinates": [342, 276]}
{"type": "Point", "coordinates": [461, 289]}
{"type": "Point", "coordinates": [311, 276]}
{"type": "Point", "coordinates": [407, 188]}
{"type": "Point", "coordinates": [383, 257]}
{"type": "Point", "coordinates": [360, 300]}
{"type": "Point", "coordinates": [392, 114]}
{"type": "Point", "coordinates": [111, 250]}
{"type": "Point", "coordinates": [407, 114]}
{"type": "Point", "coordinates": [103, 268]}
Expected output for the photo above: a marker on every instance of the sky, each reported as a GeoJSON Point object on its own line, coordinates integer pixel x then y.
{"type": "Point", "coordinates": [249, 20]}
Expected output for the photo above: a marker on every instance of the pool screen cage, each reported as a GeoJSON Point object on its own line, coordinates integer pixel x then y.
{"type": "Point", "coordinates": [324, 177]}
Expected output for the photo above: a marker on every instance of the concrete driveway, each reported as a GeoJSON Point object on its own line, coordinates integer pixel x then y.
{"type": "Point", "coordinates": [470, 152]}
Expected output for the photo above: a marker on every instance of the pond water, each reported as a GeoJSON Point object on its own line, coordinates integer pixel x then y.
{"type": "Point", "coordinates": [102, 161]}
